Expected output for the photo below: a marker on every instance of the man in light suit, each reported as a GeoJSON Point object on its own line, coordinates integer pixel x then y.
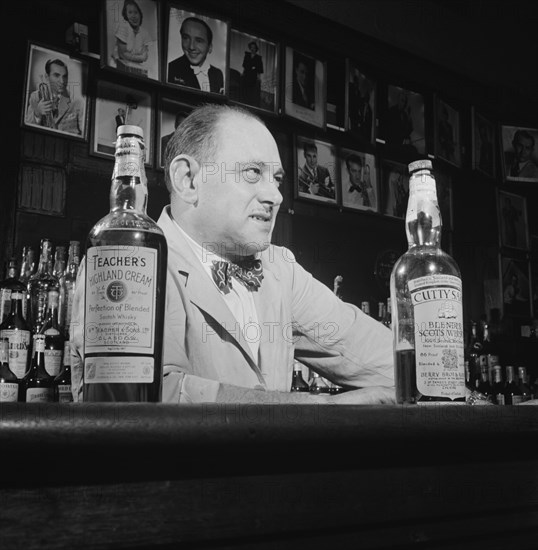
{"type": "Point", "coordinates": [236, 342]}
{"type": "Point", "coordinates": [193, 69]}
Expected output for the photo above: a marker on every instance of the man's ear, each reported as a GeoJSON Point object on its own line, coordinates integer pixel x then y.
{"type": "Point", "coordinates": [183, 171]}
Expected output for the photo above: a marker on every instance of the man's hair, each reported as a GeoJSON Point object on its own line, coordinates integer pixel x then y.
{"type": "Point", "coordinates": [353, 158]}
{"type": "Point", "coordinates": [200, 22]}
{"type": "Point", "coordinates": [197, 135]}
{"type": "Point", "coordinates": [309, 146]}
{"type": "Point", "coordinates": [525, 135]}
{"type": "Point", "coordinates": [133, 3]}
{"type": "Point", "coordinates": [51, 62]}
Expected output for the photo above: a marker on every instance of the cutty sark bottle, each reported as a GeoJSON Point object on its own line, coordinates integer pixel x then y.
{"type": "Point", "coordinates": [426, 297]}
{"type": "Point", "coordinates": [125, 284]}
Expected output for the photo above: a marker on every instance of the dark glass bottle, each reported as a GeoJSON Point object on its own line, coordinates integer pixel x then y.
{"type": "Point", "coordinates": [9, 383]}
{"type": "Point", "coordinates": [473, 350]}
{"type": "Point", "coordinates": [17, 331]}
{"type": "Point", "coordinates": [73, 261]}
{"type": "Point", "coordinates": [62, 382]}
{"type": "Point", "coordinates": [298, 383]}
{"type": "Point", "coordinates": [523, 383]}
{"type": "Point", "coordinates": [498, 385]}
{"type": "Point", "coordinates": [125, 285]}
{"type": "Point", "coordinates": [318, 384]}
{"type": "Point", "coordinates": [37, 386]}
{"type": "Point", "coordinates": [512, 393]}
{"type": "Point", "coordinates": [10, 284]}
{"type": "Point", "coordinates": [484, 385]}
{"type": "Point", "coordinates": [54, 337]}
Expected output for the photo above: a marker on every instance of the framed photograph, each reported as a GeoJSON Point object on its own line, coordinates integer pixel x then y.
{"type": "Point", "coordinates": [404, 121]}
{"type": "Point", "coordinates": [55, 95]}
{"type": "Point", "coordinates": [254, 71]}
{"type": "Point", "coordinates": [484, 139]}
{"type": "Point", "coordinates": [171, 115]}
{"type": "Point", "coordinates": [513, 227]}
{"type": "Point", "coordinates": [444, 198]}
{"type": "Point", "coordinates": [447, 132]}
{"type": "Point", "coordinates": [196, 51]}
{"type": "Point", "coordinates": [316, 174]}
{"type": "Point", "coordinates": [358, 176]}
{"type": "Point", "coordinates": [305, 88]}
{"type": "Point", "coordinates": [360, 103]}
{"type": "Point", "coordinates": [534, 278]}
{"type": "Point", "coordinates": [130, 37]}
{"type": "Point", "coordinates": [116, 105]}
{"type": "Point", "coordinates": [336, 94]}
{"type": "Point", "coordinates": [395, 185]}
{"type": "Point", "coordinates": [520, 154]}
{"type": "Point", "coordinates": [516, 288]}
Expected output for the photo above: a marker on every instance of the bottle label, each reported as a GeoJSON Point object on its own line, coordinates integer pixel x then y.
{"type": "Point", "coordinates": [19, 348]}
{"type": "Point", "coordinates": [39, 395]}
{"type": "Point", "coordinates": [120, 299]}
{"type": "Point", "coordinates": [53, 361]}
{"type": "Point", "coordinates": [64, 393]}
{"type": "Point", "coordinates": [439, 350]}
{"type": "Point", "coordinates": [517, 399]}
{"type": "Point", "coordinates": [500, 399]}
{"type": "Point", "coordinates": [9, 392]}
{"type": "Point", "coordinates": [115, 370]}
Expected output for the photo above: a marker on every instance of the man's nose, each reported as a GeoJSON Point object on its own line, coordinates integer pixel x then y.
{"type": "Point", "coordinates": [270, 193]}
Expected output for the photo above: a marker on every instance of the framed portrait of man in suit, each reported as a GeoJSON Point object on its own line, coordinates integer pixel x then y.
{"type": "Point", "coordinates": [196, 51]}
{"type": "Point", "coordinates": [55, 95]}
{"type": "Point", "coordinates": [360, 103]}
{"type": "Point", "coordinates": [520, 153]}
{"type": "Point", "coordinates": [358, 175]}
{"type": "Point", "coordinates": [447, 132]}
{"type": "Point", "coordinates": [130, 39]}
{"type": "Point", "coordinates": [170, 115]}
{"type": "Point", "coordinates": [305, 87]}
{"type": "Point", "coordinates": [516, 287]}
{"type": "Point", "coordinates": [395, 187]}
{"type": "Point", "coordinates": [484, 144]}
{"type": "Point", "coordinates": [316, 170]}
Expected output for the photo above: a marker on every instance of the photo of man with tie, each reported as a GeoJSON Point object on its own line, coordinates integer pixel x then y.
{"type": "Point", "coordinates": [193, 69]}
{"type": "Point", "coordinates": [314, 178]}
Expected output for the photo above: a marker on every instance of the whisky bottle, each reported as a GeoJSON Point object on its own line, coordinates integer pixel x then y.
{"type": "Point", "coordinates": [62, 382]}
{"type": "Point", "coordinates": [426, 296]}
{"type": "Point", "coordinates": [9, 383]}
{"type": "Point", "coordinates": [17, 331]}
{"type": "Point", "coordinates": [387, 319]}
{"type": "Point", "coordinates": [512, 393]}
{"type": "Point", "coordinates": [37, 385]}
{"type": "Point", "coordinates": [125, 284]}
{"type": "Point", "coordinates": [523, 383]}
{"type": "Point", "coordinates": [10, 284]}
{"type": "Point", "coordinates": [498, 385]}
{"type": "Point", "coordinates": [54, 337]}
{"type": "Point", "coordinates": [27, 264]}
{"type": "Point", "coordinates": [70, 277]}
{"type": "Point", "coordinates": [39, 285]}
{"type": "Point", "coordinates": [484, 385]}
{"type": "Point", "coordinates": [298, 383]}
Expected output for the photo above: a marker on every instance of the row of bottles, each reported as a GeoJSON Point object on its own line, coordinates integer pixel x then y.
{"type": "Point", "coordinates": [512, 389]}
{"type": "Point", "coordinates": [316, 383]}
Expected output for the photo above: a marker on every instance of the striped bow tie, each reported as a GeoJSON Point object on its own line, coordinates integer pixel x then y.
{"type": "Point", "coordinates": [248, 272]}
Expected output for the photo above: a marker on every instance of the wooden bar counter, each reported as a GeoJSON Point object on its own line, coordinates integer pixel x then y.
{"type": "Point", "coordinates": [268, 476]}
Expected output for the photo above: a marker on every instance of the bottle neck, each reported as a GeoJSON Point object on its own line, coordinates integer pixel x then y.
{"type": "Point", "coordinates": [129, 185]}
{"type": "Point", "coordinates": [423, 218]}
{"type": "Point", "coordinates": [45, 259]}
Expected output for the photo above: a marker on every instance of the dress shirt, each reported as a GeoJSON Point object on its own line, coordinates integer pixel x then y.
{"type": "Point", "coordinates": [201, 73]}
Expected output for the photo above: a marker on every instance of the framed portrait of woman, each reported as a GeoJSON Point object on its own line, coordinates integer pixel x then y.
{"type": "Point", "coordinates": [171, 115]}
{"type": "Point", "coordinates": [116, 105]}
{"type": "Point", "coordinates": [196, 51]}
{"type": "Point", "coordinates": [305, 88]}
{"type": "Point", "coordinates": [360, 103]}
{"type": "Point", "coordinates": [254, 71]}
{"type": "Point", "coordinates": [447, 132]}
{"type": "Point", "coordinates": [130, 37]}
{"type": "Point", "coordinates": [55, 95]}
{"type": "Point", "coordinates": [520, 153]}
{"type": "Point", "coordinates": [358, 176]}
{"type": "Point", "coordinates": [484, 140]}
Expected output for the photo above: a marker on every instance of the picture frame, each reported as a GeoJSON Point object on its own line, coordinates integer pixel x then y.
{"type": "Point", "coordinates": [516, 287]}
{"type": "Point", "coordinates": [484, 140]}
{"type": "Point", "coordinates": [361, 103]}
{"type": "Point", "coordinates": [404, 122]}
{"type": "Point", "coordinates": [512, 215]}
{"type": "Point", "coordinates": [358, 179]}
{"type": "Point", "coordinates": [336, 94]}
{"type": "Point", "coordinates": [138, 110]}
{"type": "Point", "coordinates": [130, 37]}
{"type": "Point", "coordinates": [170, 114]}
{"type": "Point", "coordinates": [519, 153]}
{"type": "Point", "coordinates": [316, 170]}
{"type": "Point", "coordinates": [55, 97]}
{"type": "Point", "coordinates": [307, 101]}
{"type": "Point", "coordinates": [211, 54]}
{"type": "Point", "coordinates": [447, 132]}
{"type": "Point", "coordinates": [254, 71]}
{"type": "Point", "coordinates": [395, 186]}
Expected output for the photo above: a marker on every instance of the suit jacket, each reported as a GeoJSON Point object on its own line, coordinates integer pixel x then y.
{"type": "Point", "coordinates": [297, 315]}
{"type": "Point", "coordinates": [180, 72]}
{"type": "Point", "coordinates": [298, 98]}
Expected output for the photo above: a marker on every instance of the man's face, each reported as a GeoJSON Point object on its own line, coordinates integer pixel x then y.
{"type": "Point", "coordinates": [57, 79]}
{"type": "Point", "coordinates": [311, 157]}
{"type": "Point", "coordinates": [195, 42]}
{"type": "Point", "coordinates": [301, 71]}
{"type": "Point", "coordinates": [238, 193]}
{"type": "Point", "coordinates": [523, 148]}
{"type": "Point", "coordinates": [354, 171]}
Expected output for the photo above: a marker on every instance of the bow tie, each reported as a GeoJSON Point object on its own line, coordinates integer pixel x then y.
{"type": "Point", "coordinates": [248, 272]}
{"type": "Point", "coordinates": [197, 70]}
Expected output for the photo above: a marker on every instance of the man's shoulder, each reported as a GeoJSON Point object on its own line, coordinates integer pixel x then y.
{"type": "Point", "coordinates": [179, 62]}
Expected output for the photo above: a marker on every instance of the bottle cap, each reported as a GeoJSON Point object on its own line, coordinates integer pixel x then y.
{"type": "Point", "coordinates": [423, 164]}
{"type": "Point", "coordinates": [130, 129]}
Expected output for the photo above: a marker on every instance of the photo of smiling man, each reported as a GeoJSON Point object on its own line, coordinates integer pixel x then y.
{"type": "Point", "coordinates": [203, 42]}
